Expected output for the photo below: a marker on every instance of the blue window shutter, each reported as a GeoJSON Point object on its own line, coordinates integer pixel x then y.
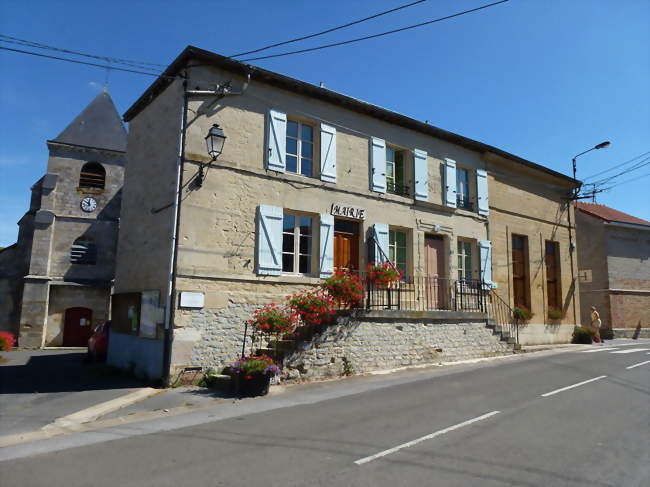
{"type": "Point", "coordinates": [482, 191]}
{"type": "Point", "coordinates": [381, 242]}
{"type": "Point", "coordinates": [421, 170]}
{"type": "Point", "coordinates": [326, 245]}
{"type": "Point", "coordinates": [378, 165]}
{"type": "Point", "coordinates": [450, 183]}
{"type": "Point", "coordinates": [327, 153]}
{"type": "Point", "coordinates": [269, 240]}
{"type": "Point", "coordinates": [485, 249]}
{"type": "Point", "coordinates": [277, 141]}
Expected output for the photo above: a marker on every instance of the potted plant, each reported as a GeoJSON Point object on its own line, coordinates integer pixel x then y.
{"type": "Point", "coordinates": [522, 314]}
{"type": "Point", "coordinates": [383, 274]}
{"type": "Point", "coordinates": [253, 375]}
{"type": "Point", "coordinates": [346, 289]}
{"type": "Point", "coordinates": [274, 319]}
{"type": "Point", "coordinates": [7, 341]}
{"type": "Point", "coordinates": [555, 314]}
{"type": "Point", "coordinates": [315, 308]}
{"type": "Point", "coordinates": [583, 334]}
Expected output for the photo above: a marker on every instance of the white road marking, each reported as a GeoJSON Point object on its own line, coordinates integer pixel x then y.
{"type": "Point", "coordinates": [424, 438]}
{"type": "Point", "coordinates": [638, 365]}
{"type": "Point", "coordinates": [632, 350]}
{"type": "Point", "coordinates": [598, 350]}
{"type": "Point", "coordinates": [574, 385]}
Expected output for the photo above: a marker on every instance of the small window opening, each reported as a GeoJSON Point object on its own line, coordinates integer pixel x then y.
{"type": "Point", "coordinates": [83, 251]}
{"type": "Point", "coordinates": [93, 175]}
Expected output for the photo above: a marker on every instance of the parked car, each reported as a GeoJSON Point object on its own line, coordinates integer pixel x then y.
{"type": "Point", "coordinates": [98, 342]}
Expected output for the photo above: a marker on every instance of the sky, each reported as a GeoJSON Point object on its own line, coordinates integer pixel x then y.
{"type": "Point", "coordinates": [542, 79]}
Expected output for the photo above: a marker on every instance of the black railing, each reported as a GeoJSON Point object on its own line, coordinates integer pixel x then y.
{"type": "Point", "coordinates": [397, 188]}
{"type": "Point", "coordinates": [464, 202]}
{"type": "Point", "coordinates": [501, 313]}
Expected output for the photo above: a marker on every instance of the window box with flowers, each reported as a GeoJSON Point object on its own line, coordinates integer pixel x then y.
{"type": "Point", "coordinates": [252, 375]}
{"type": "Point", "coordinates": [384, 274]}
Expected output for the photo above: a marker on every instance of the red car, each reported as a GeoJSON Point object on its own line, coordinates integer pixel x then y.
{"type": "Point", "coordinates": [98, 342]}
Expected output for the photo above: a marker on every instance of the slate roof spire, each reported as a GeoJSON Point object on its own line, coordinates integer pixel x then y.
{"type": "Point", "coordinates": [99, 125]}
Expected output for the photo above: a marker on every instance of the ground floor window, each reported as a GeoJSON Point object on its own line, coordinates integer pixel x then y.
{"type": "Point", "coordinates": [464, 260]}
{"type": "Point", "coordinates": [397, 249]}
{"type": "Point", "coordinates": [297, 231]}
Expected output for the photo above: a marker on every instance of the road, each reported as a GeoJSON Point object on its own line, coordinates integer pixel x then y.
{"type": "Point", "coordinates": [560, 418]}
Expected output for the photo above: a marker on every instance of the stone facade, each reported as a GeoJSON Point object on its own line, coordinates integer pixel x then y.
{"type": "Point", "coordinates": [46, 279]}
{"type": "Point", "coordinates": [221, 246]}
{"type": "Point", "coordinates": [614, 265]}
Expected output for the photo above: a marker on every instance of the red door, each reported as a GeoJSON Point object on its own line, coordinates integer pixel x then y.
{"type": "Point", "coordinates": [77, 327]}
{"type": "Point", "coordinates": [434, 261]}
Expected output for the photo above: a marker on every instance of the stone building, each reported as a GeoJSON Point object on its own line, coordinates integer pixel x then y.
{"type": "Point", "coordinates": [614, 268]}
{"type": "Point", "coordinates": [59, 273]}
{"type": "Point", "coordinates": [309, 180]}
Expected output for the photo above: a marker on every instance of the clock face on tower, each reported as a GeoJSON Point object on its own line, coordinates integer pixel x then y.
{"type": "Point", "coordinates": [88, 204]}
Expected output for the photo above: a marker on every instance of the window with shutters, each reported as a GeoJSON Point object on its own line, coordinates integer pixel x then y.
{"type": "Point", "coordinates": [395, 174]}
{"type": "Point", "coordinates": [465, 260]}
{"type": "Point", "coordinates": [520, 275]}
{"type": "Point", "coordinates": [463, 197]}
{"type": "Point", "coordinates": [300, 148]}
{"type": "Point", "coordinates": [552, 260]}
{"type": "Point", "coordinates": [92, 175]}
{"type": "Point", "coordinates": [397, 249]}
{"type": "Point", "coordinates": [297, 240]}
{"type": "Point", "coordinates": [83, 251]}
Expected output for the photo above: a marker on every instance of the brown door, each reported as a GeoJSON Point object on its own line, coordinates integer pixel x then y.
{"type": "Point", "coordinates": [77, 327]}
{"type": "Point", "coordinates": [552, 275]}
{"type": "Point", "coordinates": [520, 271]}
{"type": "Point", "coordinates": [346, 245]}
{"type": "Point", "coordinates": [435, 284]}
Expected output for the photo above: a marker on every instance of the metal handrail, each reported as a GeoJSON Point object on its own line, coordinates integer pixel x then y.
{"type": "Point", "coordinates": [501, 312]}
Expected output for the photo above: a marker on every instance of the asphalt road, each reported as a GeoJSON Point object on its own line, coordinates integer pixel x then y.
{"type": "Point", "coordinates": [568, 418]}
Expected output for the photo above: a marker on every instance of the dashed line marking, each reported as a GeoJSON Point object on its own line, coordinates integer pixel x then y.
{"type": "Point", "coordinates": [574, 385]}
{"type": "Point", "coordinates": [598, 350]}
{"type": "Point", "coordinates": [638, 365]}
{"type": "Point", "coordinates": [632, 350]}
{"type": "Point", "coordinates": [361, 461]}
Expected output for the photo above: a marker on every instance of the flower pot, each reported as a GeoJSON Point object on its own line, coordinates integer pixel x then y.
{"type": "Point", "coordinates": [254, 385]}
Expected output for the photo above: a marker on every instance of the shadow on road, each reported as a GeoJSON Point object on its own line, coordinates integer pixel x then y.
{"type": "Point", "coordinates": [46, 371]}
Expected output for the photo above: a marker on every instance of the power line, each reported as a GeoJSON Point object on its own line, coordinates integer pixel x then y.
{"type": "Point", "coordinates": [638, 165]}
{"type": "Point", "coordinates": [310, 36]}
{"type": "Point", "coordinates": [38, 45]}
{"type": "Point", "coordinates": [617, 166]}
{"type": "Point", "coordinates": [350, 41]}
{"type": "Point", "coordinates": [627, 181]}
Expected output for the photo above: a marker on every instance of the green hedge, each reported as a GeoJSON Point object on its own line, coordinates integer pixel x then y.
{"type": "Point", "coordinates": [582, 334]}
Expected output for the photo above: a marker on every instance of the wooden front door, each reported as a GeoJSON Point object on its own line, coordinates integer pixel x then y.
{"type": "Point", "coordinates": [520, 271]}
{"type": "Point", "coordinates": [346, 245]}
{"type": "Point", "coordinates": [434, 263]}
{"type": "Point", "coordinates": [77, 327]}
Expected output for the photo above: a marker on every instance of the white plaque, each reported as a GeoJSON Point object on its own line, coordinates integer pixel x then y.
{"type": "Point", "coordinates": [192, 299]}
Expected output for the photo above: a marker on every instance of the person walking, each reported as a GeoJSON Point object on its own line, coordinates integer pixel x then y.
{"type": "Point", "coordinates": [596, 324]}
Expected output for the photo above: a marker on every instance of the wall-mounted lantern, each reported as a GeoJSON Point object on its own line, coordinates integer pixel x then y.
{"type": "Point", "coordinates": [215, 141]}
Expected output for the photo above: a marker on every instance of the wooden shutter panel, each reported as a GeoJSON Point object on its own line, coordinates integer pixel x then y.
{"type": "Point", "coordinates": [485, 250]}
{"type": "Point", "coordinates": [327, 153]}
{"type": "Point", "coordinates": [378, 165]}
{"type": "Point", "coordinates": [381, 242]}
{"type": "Point", "coordinates": [421, 170]}
{"type": "Point", "coordinates": [482, 191]}
{"type": "Point", "coordinates": [326, 245]}
{"type": "Point", "coordinates": [269, 240]}
{"type": "Point", "coordinates": [277, 141]}
{"type": "Point", "coordinates": [450, 183]}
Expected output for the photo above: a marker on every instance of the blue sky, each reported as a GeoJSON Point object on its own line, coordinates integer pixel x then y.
{"type": "Point", "coordinates": [543, 79]}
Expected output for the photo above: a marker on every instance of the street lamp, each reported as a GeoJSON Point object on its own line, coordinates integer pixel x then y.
{"type": "Point", "coordinates": [215, 141]}
{"type": "Point", "coordinates": [602, 145]}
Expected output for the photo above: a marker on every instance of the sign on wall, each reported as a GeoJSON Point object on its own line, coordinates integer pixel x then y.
{"type": "Point", "coordinates": [192, 299]}
{"type": "Point", "coordinates": [149, 313]}
{"type": "Point", "coordinates": [339, 209]}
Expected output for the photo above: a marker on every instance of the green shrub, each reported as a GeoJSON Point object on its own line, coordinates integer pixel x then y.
{"type": "Point", "coordinates": [582, 334]}
{"type": "Point", "coordinates": [606, 333]}
{"type": "Point", "coordinates": [555, 314]}
{"type": "Point", "coordinates": [521, 313]}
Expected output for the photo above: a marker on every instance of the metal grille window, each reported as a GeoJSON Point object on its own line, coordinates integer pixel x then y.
{"type": "Point", "coordinates": [297, 231]}
{"type": "Point", "coordinates": [93, 175]}
{"type": "Point", "coordinates": [462, 189]}
{"type": "Point", "coordinates": [83, 251]}
{"type": "Point", "coordinates": [397, 249]}
{"type": "Point", "coordinates": [395, 171]}
{"type": "Point", "coordinates": [464, 260]}
{"type": "Point", "coordinates": [300, 148]}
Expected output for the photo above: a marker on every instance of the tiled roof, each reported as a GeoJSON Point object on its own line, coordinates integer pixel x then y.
{"type": "Point", "coordinates": [609, 214]}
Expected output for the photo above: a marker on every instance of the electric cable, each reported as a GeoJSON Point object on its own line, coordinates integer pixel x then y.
{"type": "Point", "coordinates": [373, 36]}
{"type": "Point", "coordinates": [638, 165]}
{"type": "Point", "coordinates": [616, 166]}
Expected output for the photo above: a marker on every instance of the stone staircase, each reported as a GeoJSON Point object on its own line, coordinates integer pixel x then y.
{"type": "Point", "coordinates": [503, 332]}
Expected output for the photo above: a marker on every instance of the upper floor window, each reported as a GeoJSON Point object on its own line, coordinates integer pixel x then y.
{"type": "Point", "coordinates": [83, 251]}
{"type": "Point", "coordinates": [300, 148]}
{"type": "Point", "coordinates": [397, 249]}
{"type": "Point", "coordinates": [93, 175]}
{"type": "Point", "coordinates": [464, 260]}
{"type": "Point", "coordinates": [462, 189]}
{"type": "Point", "coordinates": [395, 171]}
{"type": "Point", "coordinates": [297, 231]}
